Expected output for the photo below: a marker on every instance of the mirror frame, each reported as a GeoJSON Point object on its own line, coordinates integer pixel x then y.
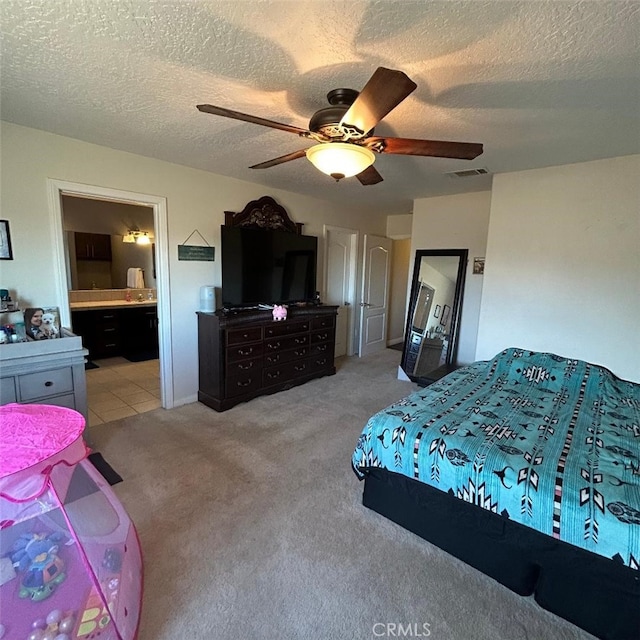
{"type": "Point", "coordinates": [456, 309]}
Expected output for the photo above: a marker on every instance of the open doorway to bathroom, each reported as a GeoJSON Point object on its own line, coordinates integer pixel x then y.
{"type": "Point", "coordinates": [113, 302]}
{"type": "Point", "coordinates": [95, 231]}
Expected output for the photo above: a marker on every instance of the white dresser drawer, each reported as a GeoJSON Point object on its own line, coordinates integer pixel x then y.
{"type": "Point", "coordinates": [45, 383]}
{"type": "Point", "coordinates": [7, 390]}
{"type": "Point", "coordinates": [68, 401]}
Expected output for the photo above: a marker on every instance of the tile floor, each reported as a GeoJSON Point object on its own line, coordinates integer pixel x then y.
{"type": "Point", "coordinates": [119, 388]}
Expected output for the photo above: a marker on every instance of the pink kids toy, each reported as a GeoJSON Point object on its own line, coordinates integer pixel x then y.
{"type": "Point", "coordinates": [279, 312]}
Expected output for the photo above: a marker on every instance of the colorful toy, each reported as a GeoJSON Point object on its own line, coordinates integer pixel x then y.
{"type": "Point", "coordinates": [57, 625]}
{"type": "Point", "coordinates": [279, 312]}
{"type": "Point", "coordinates": [72, 568]}
{"type": "Point", "coordinates": [36, 555]}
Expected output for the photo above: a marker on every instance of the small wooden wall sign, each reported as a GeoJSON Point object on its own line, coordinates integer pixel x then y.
{"type": "Point", "coordinates": [196, 253]}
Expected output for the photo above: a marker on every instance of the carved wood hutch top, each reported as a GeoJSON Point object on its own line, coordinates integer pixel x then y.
{"type": "Point", "coordinates": [264, 213]}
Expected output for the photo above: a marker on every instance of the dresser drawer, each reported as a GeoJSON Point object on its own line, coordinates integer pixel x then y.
{"type": "Point", "coordinates": [285, 328]}
{"type": "Point", "coordinates": [68, 400]}
{"type": "Point", "coordinates": [285, 372]}
{"type": "Point", "coordinates": [279, 357]}
{"type": "Point", "coordinates": [243, 336]}
{"type": "Point", "coordinates": [322, 336]}
{"type": "Point", "coordinates": [7, 390]}
{"type": "Point", "coordinates": [45, 383]}
{"type": "Point", "coordinates": [243, 383]}
{"type": "Point", "coordinates": [316, 363]}
{"type": "Point", "coordinates": [325, 322]}
{"type": "Point", "coordinates": [286, 342]}
{"type": "Point", "coordinates": [322, 349]}
{"type": "Point", "coordinates": [244, 366]}
{"type": "Point", "coordinates": [244, 351]}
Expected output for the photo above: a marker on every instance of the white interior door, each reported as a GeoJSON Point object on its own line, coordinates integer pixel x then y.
{"type": "Point", "coordinates": [375, 294]}
{"type": "Point", "coordinates": [341, 246]}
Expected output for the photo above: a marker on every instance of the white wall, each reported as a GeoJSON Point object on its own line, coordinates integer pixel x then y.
{"type": "Point", "coordinates": [400, 262]}
{"type": "Point", "coordinates": [456, 222]}
{"type": "Point", "coordinates": [563, 264]}
{"type": "Point", "coordinates": [399, 226]}
{"type": "Point", "coordinates": [195, 200]}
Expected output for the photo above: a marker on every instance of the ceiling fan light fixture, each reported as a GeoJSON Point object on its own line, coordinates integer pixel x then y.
{"type": "Point", "coordinates": [340, 160]}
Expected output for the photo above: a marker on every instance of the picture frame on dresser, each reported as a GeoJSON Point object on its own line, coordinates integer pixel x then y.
{"type": "Point", "coordinates": [6, 251]}
{"type": "Point", "coordinates": [42, 323]}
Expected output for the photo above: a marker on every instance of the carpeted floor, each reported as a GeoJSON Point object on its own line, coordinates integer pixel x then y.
{"type": "Point", "coordinates": [252, 526]}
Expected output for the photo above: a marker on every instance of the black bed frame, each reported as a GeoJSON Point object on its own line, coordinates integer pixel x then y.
{"type": "Point", "coordinates": [597, 594]}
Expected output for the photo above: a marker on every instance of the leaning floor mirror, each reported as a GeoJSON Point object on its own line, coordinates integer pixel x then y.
{"type": "Point", "coordinates": [433, 320]}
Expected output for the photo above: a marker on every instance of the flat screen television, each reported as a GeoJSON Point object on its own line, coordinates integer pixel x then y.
{"type": "Point", "coordinates": [260, 266]}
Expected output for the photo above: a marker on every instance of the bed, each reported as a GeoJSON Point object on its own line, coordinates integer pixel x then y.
{"type": "Point", "coordinates": [527, 467]}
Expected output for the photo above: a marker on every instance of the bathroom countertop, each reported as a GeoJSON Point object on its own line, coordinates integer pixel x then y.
{"type": "Point", "coordinates": [110, 304]}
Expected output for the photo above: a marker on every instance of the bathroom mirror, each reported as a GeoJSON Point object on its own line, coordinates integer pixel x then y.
{"type": "Point", "coordinates": [108, 270]}
{"type": "Point", "coordinates": [433, 319]}
{"type": "Point", "coordinates": [96, 256]}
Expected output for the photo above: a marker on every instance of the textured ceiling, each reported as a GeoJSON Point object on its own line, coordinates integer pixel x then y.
{"type": "Point", "coordinates": [539, 83]}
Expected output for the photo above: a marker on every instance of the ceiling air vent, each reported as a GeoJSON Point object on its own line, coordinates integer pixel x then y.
{"type": "Point", "coordinates": [465, 173]}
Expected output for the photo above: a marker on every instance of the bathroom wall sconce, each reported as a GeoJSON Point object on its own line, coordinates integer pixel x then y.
{"type": "Point", "coordinates": [136, 236]}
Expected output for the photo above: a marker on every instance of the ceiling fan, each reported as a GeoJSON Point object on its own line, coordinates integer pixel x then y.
{"type": "Point", "coordinates": [344, 131]}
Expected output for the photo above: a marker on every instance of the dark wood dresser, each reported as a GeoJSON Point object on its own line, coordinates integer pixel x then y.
{"type": "Point", "coordinates": [245, 354]}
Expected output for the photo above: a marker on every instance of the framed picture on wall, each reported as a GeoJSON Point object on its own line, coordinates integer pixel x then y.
{"type": "Point", "coordinates": [445, 315]}
{"type": "Point", "coordinates": [478, 266]}
{"type": "Point", "coordinates": [6, 253]}
{"type": "Point", "coordinates": [436, 313]}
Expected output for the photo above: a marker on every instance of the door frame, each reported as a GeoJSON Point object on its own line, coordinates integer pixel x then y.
{"type": "Point", "coordinates": [352, 275]}
{"type": "Point", "coordinates": [56, 189]}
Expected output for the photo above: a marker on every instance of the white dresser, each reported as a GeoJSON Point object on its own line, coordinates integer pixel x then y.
{"type": "Point", "coordinates": [45, 372]}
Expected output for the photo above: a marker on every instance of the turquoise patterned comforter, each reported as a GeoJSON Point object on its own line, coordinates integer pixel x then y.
{"type": "Point", "coordinates": [548, 442]}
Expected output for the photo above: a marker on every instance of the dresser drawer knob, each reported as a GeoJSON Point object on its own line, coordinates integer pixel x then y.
{"type": "Point", "coordinates": [323, 336]}
{"type": "Point", "coordinates": [301, 352]}
{"type": "Point", "coordinates": [48, 383]}
{"type": "Point", "coordinates": [245, 352]}
{"type": "Point", "coordinates": [245, 367]}
{"type": "Point", "coordinates": [300, 367]}
{"type": "Point", "coordinates": [274, 345]}
{"type": "Point", "coordinates": [244, 383]}
{"type": "Point", "coordinates": [273, 359]}
{"type": "Point", "coordinates": [273, 376]}
{"type": "Point", "coordinates": [300, 340]}
{"type": "Point", "coordinates": [322, 347]}
{"type": "Point", "coordinates": [321, 362]}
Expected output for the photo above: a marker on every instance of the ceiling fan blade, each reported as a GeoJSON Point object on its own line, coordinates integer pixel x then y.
{"type": "Point", "coordinates": [384, 91]}
{"type": "Point", "coordinates": [228, 113]}
{"type": "Point", "coordinates": [369, 176]}
{"type": "Point", "coordinates": [435, 148]}
{"type": "Point", "coordinates": [272, 163]}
